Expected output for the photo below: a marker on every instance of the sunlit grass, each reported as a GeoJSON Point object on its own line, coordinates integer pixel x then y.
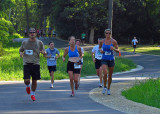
{"type": "Point", "coordinates": [147, 92]}
{"type": "Point", "coordinates": [148, 49]}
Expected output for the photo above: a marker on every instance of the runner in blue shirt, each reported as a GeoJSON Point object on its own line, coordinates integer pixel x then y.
{"type": "Point", "coordinates": [52, 56]}
{"type": "Point", "coordinates": [108, 45]}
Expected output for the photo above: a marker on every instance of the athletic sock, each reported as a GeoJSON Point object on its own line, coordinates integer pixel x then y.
{"type": "Point", "coordinates": [32, 92]}
{"type": "Point", "coordinates": [28, 85]}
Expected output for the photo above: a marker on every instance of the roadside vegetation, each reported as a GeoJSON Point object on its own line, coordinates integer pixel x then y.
{"type": "Point", "coordinates": [145, 92]}
{"type": "Point", "coordinates": [147, 49]}
{"type": "Point", "coordinates": [11, 65]}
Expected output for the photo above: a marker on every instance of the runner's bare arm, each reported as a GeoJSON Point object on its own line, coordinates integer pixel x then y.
{"type": "Point", "coordinates": [80, 52]}
{"type": "Point", "coordinates": [100, 46]}
{"type": "Point", "coordinates": [21, 50]}
{"type": "Point", "coordinates": [116, 46]}
{"type": "Point", "coordinates": [65, 53]}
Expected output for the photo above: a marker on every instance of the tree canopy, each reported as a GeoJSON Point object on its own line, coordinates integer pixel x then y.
{"type": "Point", "coordinates": [138, 18]}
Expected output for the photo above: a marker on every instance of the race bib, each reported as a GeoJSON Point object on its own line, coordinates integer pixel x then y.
{"type": "Point", "coordinates": [29, 52]}
{"type": "Point", "coordinates": [107, 53]}
{"type": "Point", "coordinates": [99, 57]}
{"type": "Point", "coordinates": [53, 58]}
{"type": "Point", "coordinates": [76, 66]}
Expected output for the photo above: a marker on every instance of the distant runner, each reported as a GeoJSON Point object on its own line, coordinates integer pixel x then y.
{"type": "Point", "coordinates": [52, 56]}
{"type": "Point", "coordinates": [78, 43]}
{"type": "Point", "coordinates": [134, 43]}
{"type": "Point", "coordinates": [97, 57]}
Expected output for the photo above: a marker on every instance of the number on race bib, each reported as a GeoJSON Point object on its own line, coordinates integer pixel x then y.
{"type": "Point", "coordinates": [107, 53]}
{"type": "Point", "coordinates": [76, 66]}
{"type": "Point", "coordinates": [29, 52]}
{"type": "Point", "coordinates": [53, 58]}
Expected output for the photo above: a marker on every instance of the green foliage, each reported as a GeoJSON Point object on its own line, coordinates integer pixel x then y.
{"type": "Point", "coordinates": [15, 35]}
{"type": "Point", "coordinates": [1, 49]}
{"type": "Point", "coordinates": [5, 27]}
{"type": "Point", "coordinates": [146, 92]}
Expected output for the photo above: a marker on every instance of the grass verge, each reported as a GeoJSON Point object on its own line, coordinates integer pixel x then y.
{"type": "Point", "coordinates": [147, 49]}
{"type": "Point", "coordinates": [145, 92]}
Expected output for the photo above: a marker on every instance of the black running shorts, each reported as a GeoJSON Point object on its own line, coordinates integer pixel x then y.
{"type": "Point", "coordinates": [70, 67]}
{"type": "Point", "coordinates": [51, 68]}
{"type": "Point", "coordinates": [31, 70]}
{"type": "Point", "coordinates": [109, 63]}
{"type": "Point", "coordinates": [97, 63]}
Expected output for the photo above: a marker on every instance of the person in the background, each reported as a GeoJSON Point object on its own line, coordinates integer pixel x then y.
{"type": "Point", "coordinates": [30, 51]}
{"type": "Point", "coordinates": [78, 43]}
{"type": "Point", "coordinates": [83, 37]}
{"type": "Point", "coordinates": [97, 57]}
{"type": "Point", "coordinates": [74, 61]}
{"type": "Point", "coordinates": [108, 45]}
{"type": "Point", "coordinates": [134, 43]}
{"type": "Point", "coordinates": [25, 32]}
{"type": "Point", "coordinates": [52, 56]}
{"type": "Point", "coordinates": [37, 33]}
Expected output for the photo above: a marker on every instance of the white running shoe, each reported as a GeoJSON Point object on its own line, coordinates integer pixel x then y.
{"type": "Point", "coordinates": [108, 92]}
{"type": "Point", "coordinates": [51, 86]}
{"type": "Point", "coordinates": [104, 90]}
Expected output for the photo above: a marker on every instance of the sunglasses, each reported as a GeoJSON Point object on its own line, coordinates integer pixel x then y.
{"type": "Point", "coordinates": [108, 33]}
{"type": "Point", "coordinates": [32, 32]}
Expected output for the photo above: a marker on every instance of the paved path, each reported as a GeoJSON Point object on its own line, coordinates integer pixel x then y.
{"type": "Point", "coordinates": [13, 97]}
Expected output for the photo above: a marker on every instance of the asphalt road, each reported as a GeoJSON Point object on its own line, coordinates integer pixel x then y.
{"type": "Point", "coordinates": [14, 99]}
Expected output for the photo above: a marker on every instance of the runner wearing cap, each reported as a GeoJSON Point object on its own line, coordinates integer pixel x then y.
{"type": "Point", "coordinates": [30, 51]}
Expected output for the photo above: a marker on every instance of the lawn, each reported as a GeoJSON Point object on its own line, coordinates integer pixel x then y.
{"type": "Point", "coordinates": [147, 49]}
{"type": "Point", "coordinates": [146, 92]}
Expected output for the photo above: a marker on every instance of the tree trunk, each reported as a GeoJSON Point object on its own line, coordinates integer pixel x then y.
{"type": "Point", "coordinates": [91, 36]}
{"type": "Point", "coordinates": [27, 15]}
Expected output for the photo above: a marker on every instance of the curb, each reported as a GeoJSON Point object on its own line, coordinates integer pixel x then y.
{"type": "Point", "coordinates": [132, 70]}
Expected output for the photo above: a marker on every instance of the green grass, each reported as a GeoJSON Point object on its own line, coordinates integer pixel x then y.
{"type": "Point", "coordinates": [147, 49]}
{"type": "Point", "coordinates": [147, 92]}
{"type": "Point", "coordinates": [11, 65]}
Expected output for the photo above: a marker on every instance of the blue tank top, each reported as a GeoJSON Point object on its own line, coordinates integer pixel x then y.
{"type": "Point", "coordinates": [108, 54]}
{"type": "Point", "coordinates": [73, 53]}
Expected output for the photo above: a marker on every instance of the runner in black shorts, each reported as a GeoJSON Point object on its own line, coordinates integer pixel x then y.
{"type": "Point", "coordinates": [97, 56]}
{"type": "Point", "coordinates": [73, 65]}
{"type": "Point", "coordinates": [52, 56]}
{"type": "Point", "coordinates": [30, 51]}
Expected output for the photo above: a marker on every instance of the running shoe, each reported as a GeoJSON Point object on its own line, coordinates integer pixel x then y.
{"type": "Point", "coordinates": [76, 86]}
{"type": "Point", "coordinates": [104, 90]}
{"type": "Point", "coordinates": [33, 97]}
{"type": "Point", "coordinates": [28, 90]}
{"type": "Point", "coordinates": [72, 94]}
{"type": "Point", "coordinates": [51, 86]}
{"type": "Point", "coordinates": [100, 85]}
{"type": "Point", "coordinates": [108, 92]}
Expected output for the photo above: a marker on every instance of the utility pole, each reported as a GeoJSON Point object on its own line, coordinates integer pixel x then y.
{"type": "Point", "coordinates": [110, 10]}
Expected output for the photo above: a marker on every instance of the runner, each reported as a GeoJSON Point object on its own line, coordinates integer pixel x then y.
{"type": "Point", "coordinates": [78, 43]}
{"type": "Point", "coordinates": [51, 60]}
{"type": "Point", "coordinates": [97, 56]}
{"type": "Point", "coordinates": [74, 61]}
{"type": "Point", "coordinates": [134, 43]}
{"type": "Point", "coordinates": [108, 63]}
{"type": "Point", "coordinates": [30, 51]}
